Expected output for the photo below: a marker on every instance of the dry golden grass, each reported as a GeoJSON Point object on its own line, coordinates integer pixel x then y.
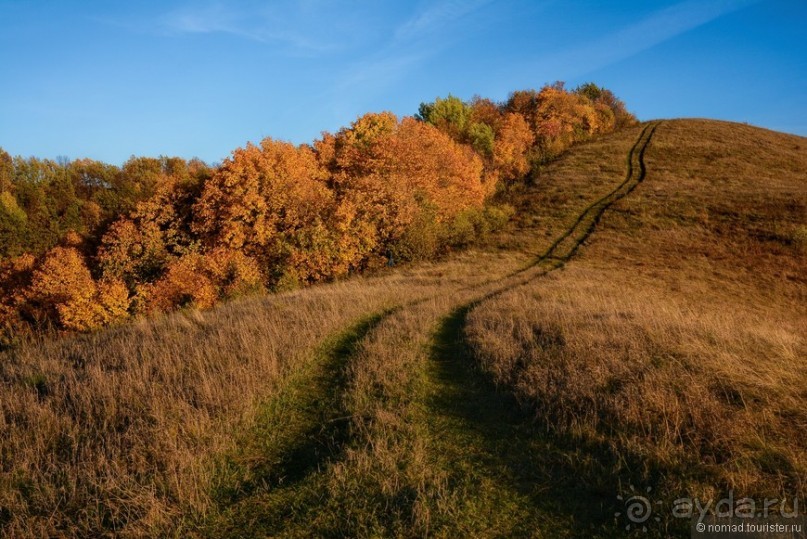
{"type": "Point", "coordinates": [428, 454]}
{"type": "Point", "coordinates": [119, 431]}
{"type": "Point", "coordinates": [676, 336]}
{"type": "Point", "coordinates": [404, 472]}
{"type": "Point", "coordinates": [564, 189]}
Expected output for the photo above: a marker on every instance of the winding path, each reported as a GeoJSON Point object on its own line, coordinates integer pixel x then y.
{"type": "Point", "coordinates": [466, 455]}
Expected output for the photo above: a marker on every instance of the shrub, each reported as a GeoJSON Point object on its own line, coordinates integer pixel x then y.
{"type": "Point", "coordinates": [185, 284]}
{"type": "Point", "coordinates": [63, 292]}
{"type": "Point", "coordinates": [420, 241]}
{"type": "Point", "coordinates": [234, 273]}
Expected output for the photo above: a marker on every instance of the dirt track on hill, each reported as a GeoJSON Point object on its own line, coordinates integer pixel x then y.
{"type": "Point", "coordinates": [454, 438]}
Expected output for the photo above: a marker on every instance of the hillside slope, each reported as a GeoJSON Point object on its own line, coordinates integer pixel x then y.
{"type": "Point", "coordinates": [638, 324]}
{"type": "Point", "coordinates": [671, 353]}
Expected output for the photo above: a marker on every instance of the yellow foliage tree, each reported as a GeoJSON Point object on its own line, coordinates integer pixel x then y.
{"type": "Point", "coordinates": [63, 292]}
{"type": "Point", "coordinates": [15, 278]}
{"type": "Point", "coordinates": [113, 297]}
{"type": "Point", "coordinates": [514, 138]}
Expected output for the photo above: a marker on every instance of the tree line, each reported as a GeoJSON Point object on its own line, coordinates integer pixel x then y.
{"type": "Point", "coordinates": [84, 244]}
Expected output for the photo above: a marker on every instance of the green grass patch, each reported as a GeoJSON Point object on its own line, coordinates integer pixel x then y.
{"type": "Point", "coordinates": [273, 479]}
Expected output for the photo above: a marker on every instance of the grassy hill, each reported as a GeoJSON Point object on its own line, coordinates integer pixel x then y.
{"type": "Point", "coordinates": [639, 324]}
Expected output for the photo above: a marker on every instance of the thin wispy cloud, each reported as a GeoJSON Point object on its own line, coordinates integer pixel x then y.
{"type": "Point", "coordinates": [435, 16]}
{"type": "Point", "coordinates": [640, 36]}
{"type": "Point", "coordinates": [210, 18]}
{"type": "Point", "coordinates": [296, 26]}
{"type": "Point", "coordinates": [424, 34]}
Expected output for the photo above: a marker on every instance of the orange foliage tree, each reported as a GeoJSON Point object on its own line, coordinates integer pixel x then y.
{"type": "Point", "coordinates": [397, 175]}
{"type": "Point", "coordinates": [63, 292]}
{"type": "Point", "coordinates": [15, 278]}
{"type": "Point", "coordinates": [605, 100]}
{"type": "Point", "coordinates": [559, 118]}
{"type": "Point", "coordinates": [184, 283]}
{"type": "Point", "coordinates": [272, 203]}
{"type": "Point", "coordinates": [511, 150]}
{"type": "Point", "coordinates": [139, 247]}
{"type": "Point", "coordinates": [199, 281]}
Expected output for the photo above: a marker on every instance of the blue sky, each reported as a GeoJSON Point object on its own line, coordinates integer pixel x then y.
{"type": "Point", "coordinates": [108, 80]}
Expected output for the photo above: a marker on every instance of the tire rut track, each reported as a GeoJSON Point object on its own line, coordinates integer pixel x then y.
{"type": "Point", "coordinates": [298, 432]}
{"type": "Point", "coordinates": [290, 483]}
{"type": "Point", "coordinates": [554, 257]}
{"type": "Point", "coordinates": [489, 443]}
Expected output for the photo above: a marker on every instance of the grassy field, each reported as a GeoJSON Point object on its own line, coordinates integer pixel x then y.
{"type": "Point", "coordinates": [640, 323]}
{"type": "Point", "coordinates": [673, 347]}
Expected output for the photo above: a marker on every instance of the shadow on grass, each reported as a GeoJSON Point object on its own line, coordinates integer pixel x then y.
{"type": "Point", "coordinates": [273, 475]}
{"type": "Point", "coordinates": [505, 475]}
{"type": "Point", "coordinates": [545, 484]}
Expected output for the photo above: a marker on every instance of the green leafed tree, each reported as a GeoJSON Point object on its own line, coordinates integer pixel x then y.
{"type": "Point", "coordinates": [450, 115]}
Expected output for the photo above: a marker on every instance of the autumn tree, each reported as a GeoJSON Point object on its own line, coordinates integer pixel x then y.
{"type": "Point", "coordinates": [558, 118]}
{"type": "Point", "coordinates": [15, 278]}
{"type": "Point", "coordinates": [272, 203]}
{"type": "Point", "coordinates": [450, 115]}
{"type": "Point", "coordinates": [257, 193]}
{"type": "Point", "coordinates": [199, 281]}
{"type": "Point", "coordinates": [131, 253]}
{"type": "Point", "coordinates": [183, 284]}
{"type": "Point", "coordinates": [392, 174]}
{"type": "Point", "coordinates": [6, 172]}
{"type": "Point", "coordinates": [485, 111]}
{"type": "Point", "coordinates": [466, 123]}
{"type": "Point", "coordinates": [139, 247]}
{"type": "Point", "coordinates": [13, 226]}
{"type": "Point", "coordinates": [447, 174]}
{"type": "Point", "coordinates": [140, 177]}
{"type": "Point", "coordinates": [79, 238]}
{"type": "Point", "coordinates": [606, 98]}
{"type": "Point", "coordinates": [63, 292]}
{"type": "Point", "coordinates": [233, 273]}
{"type": "Point", "coordinates": [92, 177]}
{"type": "Point", "coordinates": [511, 150]}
